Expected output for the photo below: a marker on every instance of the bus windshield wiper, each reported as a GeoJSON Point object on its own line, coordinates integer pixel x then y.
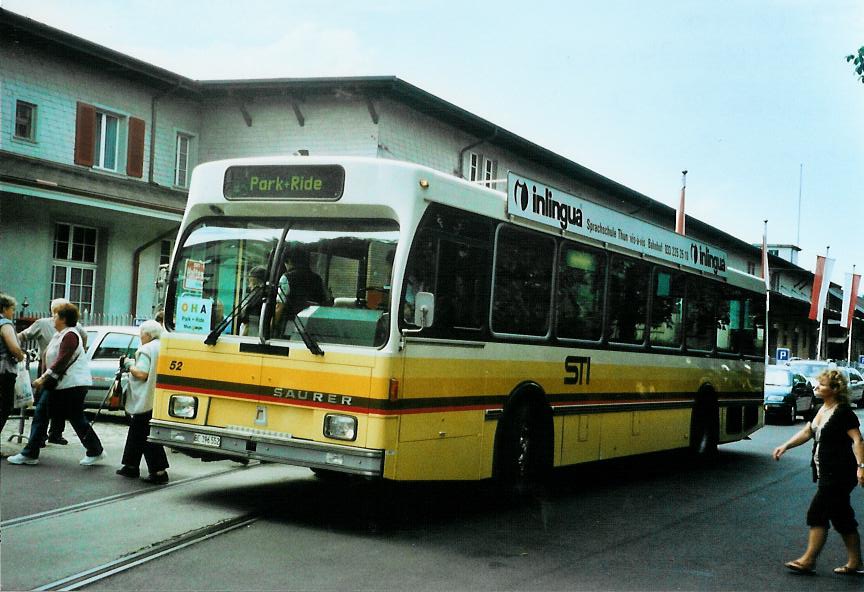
{"type": "Point", "coordinates": [213, 337]}
{"type": "Point", "coordinates": [307, 338]}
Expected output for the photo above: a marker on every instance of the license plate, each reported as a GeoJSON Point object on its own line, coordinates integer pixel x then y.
{"type": "Point", "coordinates": [207, 440]}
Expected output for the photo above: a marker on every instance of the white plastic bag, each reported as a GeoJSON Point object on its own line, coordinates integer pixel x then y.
{"type": "Point", "coordinates": [23, 388]}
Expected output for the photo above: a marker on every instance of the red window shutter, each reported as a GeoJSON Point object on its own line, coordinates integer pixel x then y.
{"type": "Point", "coordinates": [85, 130]}
{"type": "Point", "coordinates": [135, 151]}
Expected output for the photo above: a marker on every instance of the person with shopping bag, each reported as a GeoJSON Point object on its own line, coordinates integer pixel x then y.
{"type": "Point", "coordinates": [10, 354]}
{"type": "Point", "coordinates": [67, 379]}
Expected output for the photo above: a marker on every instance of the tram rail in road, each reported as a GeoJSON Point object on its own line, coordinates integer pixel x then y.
{"type": "Point", "coordinates": [156, 551]}
{"type": "Point", "coordinates": [79, 544]}
{"type": "Point", "coordinates": [13, 522]}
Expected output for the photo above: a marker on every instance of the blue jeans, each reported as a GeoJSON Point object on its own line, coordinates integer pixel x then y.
{"type": "Point", "coordinates": [66, 403]}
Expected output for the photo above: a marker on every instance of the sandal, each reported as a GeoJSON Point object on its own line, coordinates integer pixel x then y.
{"type": "Point", "coordinates": [845, 570]}
{"type": "Point", "coordinates": [799, 567]}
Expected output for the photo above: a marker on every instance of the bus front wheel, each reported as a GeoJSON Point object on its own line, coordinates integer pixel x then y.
{"type": "Point", "coordinates": [519, 456]}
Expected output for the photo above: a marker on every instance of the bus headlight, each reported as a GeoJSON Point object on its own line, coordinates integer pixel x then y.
{"type": "Point", "coordinates": [183, 406]}
{"type": "Point", "coordinates": [340, 427]}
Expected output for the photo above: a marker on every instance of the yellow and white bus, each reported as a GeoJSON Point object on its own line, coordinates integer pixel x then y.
{"type": "Point", "coordinates": [380, 318]}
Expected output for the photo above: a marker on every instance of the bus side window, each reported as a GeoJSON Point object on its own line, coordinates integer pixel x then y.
{"type": "Point", "coordinates": [418, 274]}
{"type": "Point", "coordinates": [522, 290]}
{"type": "Point", "coordinates": [700, 314]}
{"type": "Point", "coordinates": [628, 300]}
{"type": "Point", "coordinates": [667, 309]}
{"type": "Point", "coordinates": [581, 287]}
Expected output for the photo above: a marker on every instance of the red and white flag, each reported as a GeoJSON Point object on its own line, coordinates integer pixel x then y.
{"type": "Point", "coordinates": [824, 267]}
{"type": "Point", "coordinates": [679, 216]}
{"type": "Point", "coordinates": [850, 299]}
{"type": "Point", "coordinates": [765, 272]}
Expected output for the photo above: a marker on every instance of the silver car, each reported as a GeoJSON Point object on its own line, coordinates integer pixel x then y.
{"type": "Point", "coordinates": [105, 345]}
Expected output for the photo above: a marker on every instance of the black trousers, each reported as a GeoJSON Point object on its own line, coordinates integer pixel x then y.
{"type": "Point", "coordinates": [138, 446]}
{"type": "Point", "coordinates": [831, 504]}
{"type": "Point", "coordinates": [70, 405]}
{"type": "Point", "coordinates": [7, 396]}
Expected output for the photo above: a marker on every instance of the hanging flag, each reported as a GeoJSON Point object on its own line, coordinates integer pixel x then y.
{"type": "Point", "coordinates": [850, 298]}
{"type": "Point", "coordinates": [765, 272]}
{"type": "Point", "coordinates": [679, 217]}
{"type": "Point", "coordinates": [824, 266]}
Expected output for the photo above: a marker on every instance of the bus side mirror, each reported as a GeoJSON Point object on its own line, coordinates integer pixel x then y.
{"type": "Point", "coordinates": [424, 309]}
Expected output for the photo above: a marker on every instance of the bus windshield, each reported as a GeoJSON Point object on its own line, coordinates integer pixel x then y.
{"type": "Point", "coordinates": [333, 276]}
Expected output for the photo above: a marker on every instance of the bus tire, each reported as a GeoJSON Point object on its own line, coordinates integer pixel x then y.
{"type": "Point", "coordinates": [521, 458]}
{"type": "Point", "coordinates": [704, 430]}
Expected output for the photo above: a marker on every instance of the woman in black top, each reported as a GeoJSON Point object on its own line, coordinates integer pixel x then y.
{"type": "Point", "coordinates": [837, 449]}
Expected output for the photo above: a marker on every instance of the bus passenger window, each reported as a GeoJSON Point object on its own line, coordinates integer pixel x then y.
{"type": "Point", "coordinates": [667, 308]}
{"type": "Point", "coordinates": [581, 283]}
{"type": "Point", "coordinates": [700, 314]}
{"type": "Point", "coordinates": [522, 291]}
{"type": "Point", "coordinates": [628, 300]}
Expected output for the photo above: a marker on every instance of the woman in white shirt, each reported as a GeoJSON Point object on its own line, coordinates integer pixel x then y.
{"type": "Point", "coordinates": [139, 407]}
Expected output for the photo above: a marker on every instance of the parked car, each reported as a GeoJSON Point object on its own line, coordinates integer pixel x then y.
{"type": "Point", "coordinates": [105, 345]}
{"type": "Point", "coordinates": [788, 394]}
{"type": "Point", "coordinates": [856, 386]}
{"type": "Point", "coordinates": [813, 368]}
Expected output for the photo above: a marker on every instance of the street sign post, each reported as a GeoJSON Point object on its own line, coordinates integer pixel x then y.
{"type": "Point", "coordinates": [782, 354]}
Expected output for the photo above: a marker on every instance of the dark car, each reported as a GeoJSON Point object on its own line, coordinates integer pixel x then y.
{"type": "Point", "coordinates": [788, 394]}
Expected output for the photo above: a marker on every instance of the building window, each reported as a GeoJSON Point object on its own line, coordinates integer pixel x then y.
{"type": "Point", "coordinates": [482, 169]}
{"type": "Point", "coordinates": [107, 127]}
{"type": "Point", "coordinates": [165, 252]}
{"type": "Point", "coordinates": [474, 167]}
{"type": "Point", "coordinates": [25, 121]}
{"type": "Point", "coordinates": [490, 169]}
{"type": "Point", "coordinates": [181, 165]}
{"type": "Point", "coordinates": [74, 271]}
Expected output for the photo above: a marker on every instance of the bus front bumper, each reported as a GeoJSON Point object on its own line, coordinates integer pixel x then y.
{"type": "Point", "coordinates": [239, 443]}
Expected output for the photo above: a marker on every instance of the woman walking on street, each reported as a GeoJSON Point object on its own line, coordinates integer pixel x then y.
{"type": "Point", "coordinates": [838, 466]}
{"type": "Point", "coordinates": [66, 381]}
{"type": "Point", "coordinates": [10, 355]}
{"type": "Point", "coordinates": [139, 407]}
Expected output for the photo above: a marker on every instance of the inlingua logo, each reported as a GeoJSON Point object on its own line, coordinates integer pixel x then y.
{"type": "Point", "coordinates": [520, 194]}
{"type": "Point", "coordinates": [546, 205]}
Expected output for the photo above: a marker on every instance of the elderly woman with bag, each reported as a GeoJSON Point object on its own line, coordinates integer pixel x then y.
{"type": "Point", "coordinates": [10, 355]}
{"type": "Point", "coordinates": [66, 380]}
{"type": "Point", "coordinates": [139, 407]}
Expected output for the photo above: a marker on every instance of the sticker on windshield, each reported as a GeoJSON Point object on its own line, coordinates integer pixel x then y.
{"type": "Point", "coordinates": [194, 278]}
{"type": "Point", "coordinates": [193, 314]}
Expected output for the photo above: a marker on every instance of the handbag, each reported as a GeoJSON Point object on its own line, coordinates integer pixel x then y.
{"type": "Point", "coordinates": [23, 388]}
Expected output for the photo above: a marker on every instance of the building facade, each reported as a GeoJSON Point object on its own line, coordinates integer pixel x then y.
{"type": "Point", "coordinates": [97, 148]}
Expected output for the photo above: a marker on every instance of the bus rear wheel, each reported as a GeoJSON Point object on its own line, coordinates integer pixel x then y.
{"type": "Point", "coordinates": [704, 431]}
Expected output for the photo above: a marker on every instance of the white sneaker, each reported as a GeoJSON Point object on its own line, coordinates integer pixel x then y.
{"type": "Point", "coordinates": [91, 460]}
{"type": "Point", "coordinates": [20, 459]}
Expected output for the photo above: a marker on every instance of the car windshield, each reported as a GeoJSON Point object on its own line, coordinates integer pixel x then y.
{"type": "Point", "coordinates": [778, 377]}
{"type": "Point", "coordinates": [333, 276]}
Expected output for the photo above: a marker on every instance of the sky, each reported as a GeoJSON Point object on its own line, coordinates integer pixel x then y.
{"type": "Point", "coordinates": [753, 97]}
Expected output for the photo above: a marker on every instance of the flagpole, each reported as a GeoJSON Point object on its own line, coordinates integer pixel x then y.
{"type": "Point", "coordinates": [680, 216]}
{"type": "Point", "coordinates": [822, 320]}
{"type": "Point", "coordinates": [767, 291]}
{"type": "Point", "coordinates": [854, 298]}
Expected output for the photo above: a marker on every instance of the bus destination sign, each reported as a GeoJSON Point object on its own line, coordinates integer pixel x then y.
{"type": "Point", "coordinates": [530, 200]}
{"type": "Point", "coordinates": [292, 181]}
